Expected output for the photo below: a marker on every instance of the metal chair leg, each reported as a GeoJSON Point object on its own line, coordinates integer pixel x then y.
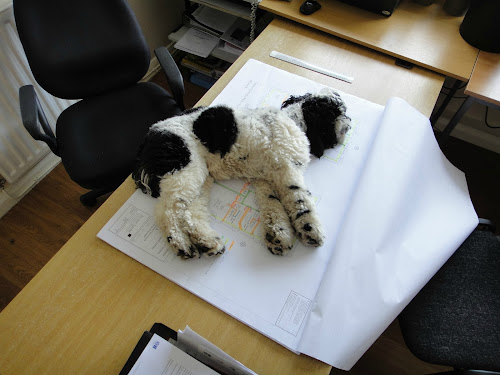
{"type": "Point", "coordinates": [451, 94]}
{"type": "Point", "coordinates": [443, 138]}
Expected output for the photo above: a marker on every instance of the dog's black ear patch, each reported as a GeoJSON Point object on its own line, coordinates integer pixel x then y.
{"type": "Point", "coordinates": [191, 110]}
{"type": "Point", "coordinates": [295, 99]}
{"type": "Point", "coordinates": [216, 128]}
{"type": "Point", "coordinates": [320, 114]}
{"type": "Point", "coordinates": [162, 152]}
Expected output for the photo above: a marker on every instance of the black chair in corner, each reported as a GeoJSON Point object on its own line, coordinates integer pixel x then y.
{"type": "Point", "coordinates": [93, 50]}
{"type": "Point", "coordinates": [455, 319]}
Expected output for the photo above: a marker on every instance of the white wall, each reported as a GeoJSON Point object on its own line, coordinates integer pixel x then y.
{"type": "Point", "coordinates": [158, 18]}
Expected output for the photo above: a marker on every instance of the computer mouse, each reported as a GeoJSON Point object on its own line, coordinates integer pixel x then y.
{"type": "Point", "coordinates": [309, 7]}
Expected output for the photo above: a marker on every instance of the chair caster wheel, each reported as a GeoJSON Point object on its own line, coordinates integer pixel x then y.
{"type": "Point", "coordinates": [88, 201]}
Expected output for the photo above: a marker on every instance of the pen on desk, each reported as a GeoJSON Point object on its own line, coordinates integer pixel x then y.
{"type": "Point", "coordinates": [305, 64]}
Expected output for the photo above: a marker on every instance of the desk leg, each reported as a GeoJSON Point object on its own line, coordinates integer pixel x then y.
{"type": "Point", "coordinates": [454, 120]}
{"type": "Point", "coordinates": [446, 101]}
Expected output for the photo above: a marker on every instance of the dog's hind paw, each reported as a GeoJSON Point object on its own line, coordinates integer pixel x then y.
{"type": "Point", "coordinates": [279, 241]}
{"type": "Point", "coordinates": [309, 234]}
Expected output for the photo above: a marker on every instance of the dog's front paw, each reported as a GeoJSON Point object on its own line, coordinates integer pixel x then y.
{"type": "Point", "coordinates": [182, 246]}
{"type": "Point", "coordinates": [210, 246]}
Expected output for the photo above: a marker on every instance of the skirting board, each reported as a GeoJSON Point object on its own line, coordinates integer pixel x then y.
{"type": "Point", "coordinates": [13, 193]}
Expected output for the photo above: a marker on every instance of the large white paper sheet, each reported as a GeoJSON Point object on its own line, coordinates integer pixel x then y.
{"type": "Point", "coordinates": [379, 196]}
{"type": "Point", "coordinates": [410, 212]}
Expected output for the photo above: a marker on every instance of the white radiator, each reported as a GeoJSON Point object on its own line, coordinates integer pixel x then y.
{"type": "Point", "coordinates": [18, 151]}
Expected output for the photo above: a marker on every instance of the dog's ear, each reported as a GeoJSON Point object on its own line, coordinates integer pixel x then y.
{"type": "Point", "coordinates": [320, 114]}
{"type": "Point", "coordinates": [295, 99]}
{"type": "Point", "coordinates": [162, 152]}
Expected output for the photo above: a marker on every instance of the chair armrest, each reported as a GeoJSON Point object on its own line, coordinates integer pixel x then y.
{"type": "Point", "coordinates": [34, 119]}
{"type": "Point", "coordinates": [174, 76]}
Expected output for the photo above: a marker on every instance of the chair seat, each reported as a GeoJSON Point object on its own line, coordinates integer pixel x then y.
{"type": "Point", "coordinates": [97, 143]}
{"type": "Point", "coordinates": [455, 319]}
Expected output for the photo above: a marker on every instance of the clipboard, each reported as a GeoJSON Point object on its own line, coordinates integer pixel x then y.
{"type": "Point", "coordinates": [158, 328]}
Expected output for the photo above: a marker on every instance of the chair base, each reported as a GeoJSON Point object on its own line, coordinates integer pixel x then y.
{"type": "Point", "coordinates": [90, 199]}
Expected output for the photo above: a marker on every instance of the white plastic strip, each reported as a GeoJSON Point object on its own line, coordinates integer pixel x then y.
{"type": "Point", "coordinates": [315, 68]}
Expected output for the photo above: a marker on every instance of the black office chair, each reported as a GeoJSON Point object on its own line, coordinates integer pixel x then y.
{"type": "Point", "coordinates": [93, 50]}
{"type": "Point", "coordinates": [455, 319]}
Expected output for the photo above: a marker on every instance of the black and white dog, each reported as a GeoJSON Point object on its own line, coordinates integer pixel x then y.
{"type": "Point", "coordinates": [268, 147]}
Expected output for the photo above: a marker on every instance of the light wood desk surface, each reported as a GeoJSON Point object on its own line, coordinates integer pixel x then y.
{"type": "Point", "coordinates": [85, 310]}
{"type": "Point", "coordinates": [484, 83]}
{"type": "Point", "coordinates": [424, 35]}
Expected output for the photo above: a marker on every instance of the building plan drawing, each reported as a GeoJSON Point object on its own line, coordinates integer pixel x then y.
{"type": "Point", "coordinates": [392, 207]}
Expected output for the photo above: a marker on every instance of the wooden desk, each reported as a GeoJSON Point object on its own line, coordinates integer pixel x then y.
{"type": "Point", "coordinates": [424, 35]}
{"type": "Point", "coordinates": [484, 83]}
{"type": "Point", "coordinates": [483, 87]}
{"type": "Point", "coordinates": [85, 310]}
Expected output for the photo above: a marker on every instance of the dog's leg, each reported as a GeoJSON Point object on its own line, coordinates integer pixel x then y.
{"type": "Point", "coordinates": [278, 230]}
{"type": "Point", "coordinates": [206, 240]}
{"type": "Point", "coordinates": [177, 192]}
{"type": "Point", "coordinates": [300, 207]}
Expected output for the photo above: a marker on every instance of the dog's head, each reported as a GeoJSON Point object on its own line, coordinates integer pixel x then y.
{"type": "Point", "coordinates": [161, 153]}
{"type": "Point", "coordinates": [322, 117]}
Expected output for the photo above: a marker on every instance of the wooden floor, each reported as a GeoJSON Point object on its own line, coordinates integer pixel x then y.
{"type": "Point", "coordinates": [33, 231]}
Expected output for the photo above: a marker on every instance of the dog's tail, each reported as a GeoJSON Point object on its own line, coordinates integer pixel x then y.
{"type": "Point", "coordinates": [324, 119]}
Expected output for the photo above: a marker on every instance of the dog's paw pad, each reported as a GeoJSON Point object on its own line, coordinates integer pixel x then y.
{"type": "Point", "coordinates": [310, 235]}
{"type": "Point", "coordinates": [210, 246]}
{"type": "Point", "coordinates": [278, 242]}
{"type": "Point", "coordinates": [188, 254]}
{"type": "Point", "coordinates": [216, 252]}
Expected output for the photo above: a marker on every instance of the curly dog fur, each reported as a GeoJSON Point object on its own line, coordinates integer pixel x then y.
{"type": "Point", "coordinates": [269, 147]}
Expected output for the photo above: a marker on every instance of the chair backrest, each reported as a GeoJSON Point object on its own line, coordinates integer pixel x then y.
{"type": "Point", "coordinates": [78, 49]}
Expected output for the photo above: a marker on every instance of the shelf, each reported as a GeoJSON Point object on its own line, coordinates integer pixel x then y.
{"type": "Point", "coordinates": [218, 52]}
{"type": "Point", "coordinates": [226, 6]}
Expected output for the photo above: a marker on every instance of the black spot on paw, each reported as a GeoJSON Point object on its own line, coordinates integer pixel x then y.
{"type": "Point", "coordinates": [301, 213]}
{"type": "Point", "coordinates": [307, 227]}
{"type": "Point", "coordinates": [311, 241]}
{"type": "Point", "coordinates": [294, 187]}
{"type": "Point", "coordinates": [202, 249]}
{"type": "Point", "coordinates": [194, 252]}
{"type": "Point", "coordinates": [169, 239]}
{"type": "Point", "coordinates": [273, 197]}
{"type": "Point", "coordinates": [269, 237]}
